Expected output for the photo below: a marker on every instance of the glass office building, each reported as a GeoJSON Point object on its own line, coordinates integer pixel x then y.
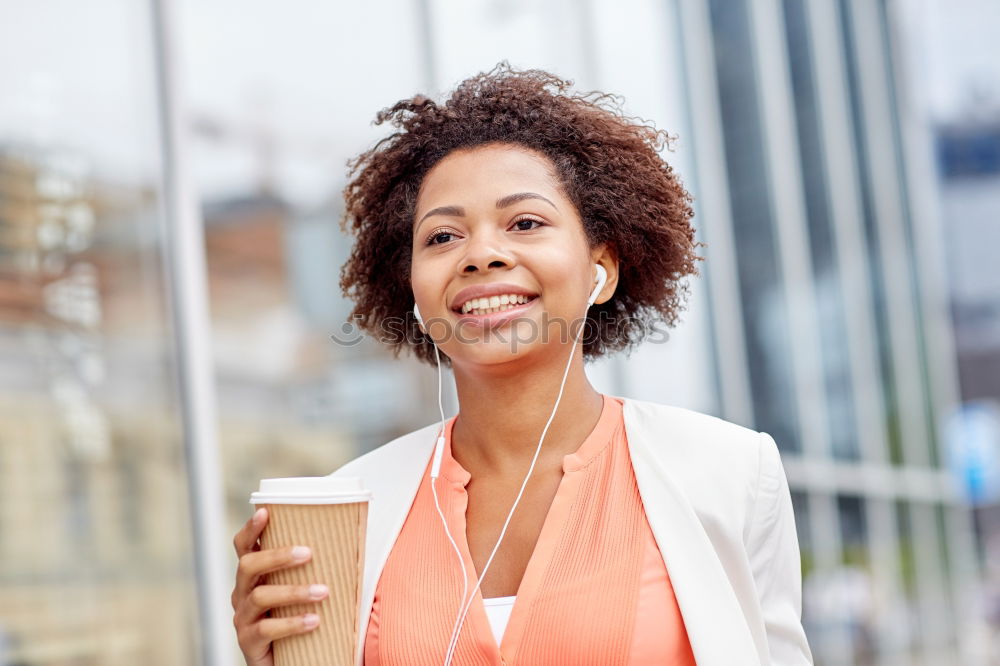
{"type": "Point", "coordinates": [150, 379]}
{"type": "Point", "coordinates": [841, 317]}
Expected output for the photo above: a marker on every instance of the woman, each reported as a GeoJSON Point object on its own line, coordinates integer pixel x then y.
{"type": "Point", "coordinates": [545, 523]}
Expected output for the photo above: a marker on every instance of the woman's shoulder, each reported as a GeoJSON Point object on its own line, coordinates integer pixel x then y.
{"type": "Point", "coordinates": [670, 429]}
{"type": "Point", "coordinates": [680, 431]}
{"type": "Point", "coordinates": [722, 466]}
{"type": "Point", "coordinates": [402, 450]}
{"type": "Point", "coordinates": [699, 447]}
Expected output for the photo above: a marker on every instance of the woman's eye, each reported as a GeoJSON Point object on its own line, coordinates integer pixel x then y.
{"type": "Point", "coordinates": [527, 221]}
{"type": "Point", "coordinates": [440, 237]}
{"type": "Point", "coordinates": [433, 239]}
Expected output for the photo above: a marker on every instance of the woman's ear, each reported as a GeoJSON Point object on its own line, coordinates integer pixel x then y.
{"type": "Point", "coordinates": [606, 255]}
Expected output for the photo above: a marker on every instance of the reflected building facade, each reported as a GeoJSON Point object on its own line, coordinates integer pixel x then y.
{"type": "Point", "coordinates": [95, 543]}
{"type": "Point", "coordinates": [838, 314]}
{"type": "Point", "coordinates": [968, 152]}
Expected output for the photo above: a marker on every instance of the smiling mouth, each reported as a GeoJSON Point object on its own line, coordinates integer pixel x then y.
{"type": "Point", "coordinates": [494, 304]}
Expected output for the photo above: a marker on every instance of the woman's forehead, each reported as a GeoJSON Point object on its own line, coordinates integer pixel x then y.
{"type": "Point", "coordinates": [488, 171]}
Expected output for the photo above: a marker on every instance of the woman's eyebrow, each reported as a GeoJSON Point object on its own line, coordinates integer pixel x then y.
{"type": "Point", "coordinates": [512, 199]}
{"type": "Point", "coordinates": [502, 202]}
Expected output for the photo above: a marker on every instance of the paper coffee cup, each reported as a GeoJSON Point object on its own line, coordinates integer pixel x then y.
{"type": "Point", "coordinates": [330, 515]}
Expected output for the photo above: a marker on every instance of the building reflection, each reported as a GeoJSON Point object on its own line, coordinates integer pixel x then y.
{"type": "Point", "coordinates": [94, 539]}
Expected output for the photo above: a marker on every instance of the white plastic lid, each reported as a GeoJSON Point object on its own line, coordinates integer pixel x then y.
{"type": "Point", "coordinates": [311, 490]}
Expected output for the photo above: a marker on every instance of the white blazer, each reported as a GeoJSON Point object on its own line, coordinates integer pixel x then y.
{"type": "Point", "coordinates": [718, 503]}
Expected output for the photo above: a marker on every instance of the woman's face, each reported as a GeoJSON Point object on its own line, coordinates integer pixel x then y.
{"type": "Point", "coordinates": [492, 223]}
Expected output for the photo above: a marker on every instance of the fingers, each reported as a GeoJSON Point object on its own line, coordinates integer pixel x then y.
{"type": "Point", "coordinates": [257, 563]}
{"type": "Point", "coordinates": [273, 628]}
{"type": "Point", "coordinates": [246, 539]}
{"type": "Point", "coordinates": [251, 601]}
{"type": "Point", "coordinates": [265, 597]}
{"type": "Point", "coordinates": [255, 638]}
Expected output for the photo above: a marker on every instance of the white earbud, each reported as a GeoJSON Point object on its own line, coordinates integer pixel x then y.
{"type": "Point", "coordinates": [416, 313]}
{"type": "Point", "coordinates": [602, 277]}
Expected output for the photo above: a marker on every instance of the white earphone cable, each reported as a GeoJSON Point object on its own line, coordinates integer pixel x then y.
{"type": "Point", "coordinates": [435, 471]}
{"type": "Point", "coordinates": [437, 504]}
{"type": "Point", "coordinates": [466, 604]}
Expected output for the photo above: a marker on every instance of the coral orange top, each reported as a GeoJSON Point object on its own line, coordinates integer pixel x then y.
{"type": "Point", "coordinates": [595, 590]}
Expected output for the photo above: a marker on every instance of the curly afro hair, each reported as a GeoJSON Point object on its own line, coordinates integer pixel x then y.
{"type": "Point", "coordinates": [607, 163]}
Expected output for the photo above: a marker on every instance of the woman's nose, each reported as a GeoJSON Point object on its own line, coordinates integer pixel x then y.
{"type": "Point", "coordinates": [484, 253]}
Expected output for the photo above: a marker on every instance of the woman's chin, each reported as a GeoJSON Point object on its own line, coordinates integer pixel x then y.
{"type": "Point", "coordinates": [490, 353]}
{"type": "Point", "coordinates": [523, 340]}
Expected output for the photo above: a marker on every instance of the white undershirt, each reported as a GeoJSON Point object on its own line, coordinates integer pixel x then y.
{"type": "Point", "coordinates": [498, 611]}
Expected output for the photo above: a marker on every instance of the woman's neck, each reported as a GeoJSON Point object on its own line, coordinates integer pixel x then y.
{"type": "Point", "coordinates": [502, 416]}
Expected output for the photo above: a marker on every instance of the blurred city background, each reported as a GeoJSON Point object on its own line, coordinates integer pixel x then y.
{"type": "Point", "coordinates": [845, 159]}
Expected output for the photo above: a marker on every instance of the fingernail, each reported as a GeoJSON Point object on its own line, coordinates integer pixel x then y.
{"type": "Point", "coordinates": [317, 591]}
{"type": "Point", "coordinates": [311, 620]}
{"type": "Point", "coordinates": [258, 517]}
{"type": "Point", "coordinates": [301, 553]}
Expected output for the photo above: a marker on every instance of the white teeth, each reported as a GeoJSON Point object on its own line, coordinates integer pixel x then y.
{"type": "Point", "coordinates": [491, 304]}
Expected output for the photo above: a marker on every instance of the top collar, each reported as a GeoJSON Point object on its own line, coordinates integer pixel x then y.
{"type": "Point", "coordinates": [608, 423]}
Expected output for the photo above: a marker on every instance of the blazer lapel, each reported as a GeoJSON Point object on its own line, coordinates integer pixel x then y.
{"type": "Point", "coordinates": [715, 624]}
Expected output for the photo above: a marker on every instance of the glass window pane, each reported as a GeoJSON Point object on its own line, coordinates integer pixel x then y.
{"type": "Point", "coordinates": [95, 540]}
{"type": "Point", "coordinates": [834, 352]}
{"type": "Point", "coordinates": [765, 316]}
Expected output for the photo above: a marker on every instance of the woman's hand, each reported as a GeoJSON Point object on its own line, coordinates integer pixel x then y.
{"type": "Point", "coordinates": [252, 601]}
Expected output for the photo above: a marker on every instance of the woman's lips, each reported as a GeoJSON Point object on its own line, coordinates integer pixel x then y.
{"type": "Point", "coordinates": [494, 319]}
